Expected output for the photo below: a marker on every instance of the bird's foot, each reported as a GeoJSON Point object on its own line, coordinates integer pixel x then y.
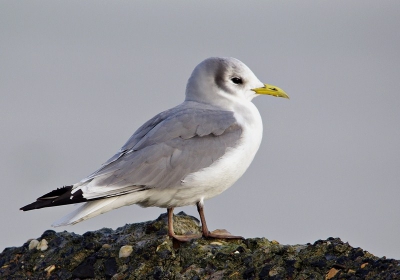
{"type": "Point", "coordinates": [221, 234]}
{"type": "Point", "coordinates": [185, 238]}
{"type": "Point", "coordinates": [177, 240]}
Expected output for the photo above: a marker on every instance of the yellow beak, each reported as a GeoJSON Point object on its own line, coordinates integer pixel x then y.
{"type": "Point", "coordinates": [271, 90]}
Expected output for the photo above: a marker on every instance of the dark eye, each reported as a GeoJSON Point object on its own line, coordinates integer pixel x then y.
{"type": "Point", "coordinates": [237, 80]}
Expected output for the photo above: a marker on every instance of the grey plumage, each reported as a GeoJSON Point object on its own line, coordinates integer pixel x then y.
{"type": "Point", "coordinates": [161, 152]}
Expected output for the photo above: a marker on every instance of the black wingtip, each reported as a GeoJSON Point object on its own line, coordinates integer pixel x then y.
{"type": "Point", "coordinates": [58, 197]}
{"type": "Point", "coordinates": [32, 206]}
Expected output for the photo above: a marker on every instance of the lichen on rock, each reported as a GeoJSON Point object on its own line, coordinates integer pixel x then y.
{"type": "Point", "coordinates": [150, 254]}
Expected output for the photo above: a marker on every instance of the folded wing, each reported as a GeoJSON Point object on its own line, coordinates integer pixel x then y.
{"type": "Point", "coordinates": [160, 154]}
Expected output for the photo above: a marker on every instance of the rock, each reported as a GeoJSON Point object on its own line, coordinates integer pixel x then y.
{"type": "Point", "coordinates": [33, 244]}
{"type": "Point", "coordinates": [50, 269]}
{"type": "Point", "coordinates": [144, 251]}
{"type": "Point", "coordinates": [84, 271]}
{"type": "Point", "coordinates": [331, 273]}
{"type": "Point", "coordinates": [110, 267]}
{"type": "Point", "coordinates": [42, 245]}
{"type": "Point", "coordinates": [125, 251]}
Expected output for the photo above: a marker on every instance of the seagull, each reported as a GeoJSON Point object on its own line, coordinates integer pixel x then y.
{"type": "Point", "coordinates": [182, 156]}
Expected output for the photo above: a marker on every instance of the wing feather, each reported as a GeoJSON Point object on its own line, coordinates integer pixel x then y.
{"type": "Point", "coordinates": [162, 152]}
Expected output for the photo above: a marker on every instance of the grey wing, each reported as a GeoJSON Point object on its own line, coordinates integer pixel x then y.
{"type": "Point", "coordinates": [165, 150]}
{"type": "Point", "coordinates": [139, 134]}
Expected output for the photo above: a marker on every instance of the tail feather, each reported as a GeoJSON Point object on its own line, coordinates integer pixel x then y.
{"type": "Point", "coordinates": [90, 209]}
{"type": "Point", "coordinates": [96, 207]}
{"type": "Point", "coordinates": [60, 196]}
{"type": "Point", "coordinates": [86, 211]}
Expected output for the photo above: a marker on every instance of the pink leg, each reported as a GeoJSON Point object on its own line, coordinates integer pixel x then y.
{"type": "Point", "coordinates": [171, 232]}
{"type": "Point", "coordinates": [222, 234]}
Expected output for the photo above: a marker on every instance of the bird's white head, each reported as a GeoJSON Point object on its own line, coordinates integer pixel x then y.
{"type": "Point", "coordinates": [219, 80]}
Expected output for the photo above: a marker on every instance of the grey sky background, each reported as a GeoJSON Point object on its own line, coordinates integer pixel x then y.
{"type": "Point", "coordinates": [77, 78]}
